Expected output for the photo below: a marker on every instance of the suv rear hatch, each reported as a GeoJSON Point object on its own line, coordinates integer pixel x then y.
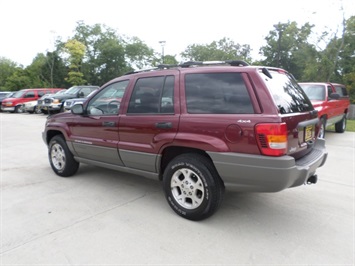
{"type": "Point", "coordinates": [296, 134]}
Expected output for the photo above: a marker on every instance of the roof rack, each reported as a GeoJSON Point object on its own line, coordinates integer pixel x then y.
{"type": "Point", "coordinates": [141, 70]}
{"type": "Point", "coordinates": [192, 64]}
{"type": "Point", "coordinates": [204, 63]}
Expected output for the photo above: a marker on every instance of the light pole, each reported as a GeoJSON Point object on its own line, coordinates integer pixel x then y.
{"type": "Point", "coordinates": [162, 43]}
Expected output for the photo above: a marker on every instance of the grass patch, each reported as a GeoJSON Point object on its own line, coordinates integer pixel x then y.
{"type": "Point", "coordinates": [350, 126]}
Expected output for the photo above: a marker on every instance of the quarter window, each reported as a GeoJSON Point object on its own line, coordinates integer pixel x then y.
{"type": "Point", "coordinates": [287, 94]}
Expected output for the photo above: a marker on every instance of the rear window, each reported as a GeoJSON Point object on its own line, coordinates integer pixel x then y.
{"type": "Point", "coordinates": [287, 94]}
{"type": "Point", "coordinates": [341, 91]}
{"type": "Point", "coordinates": [314, 91]}
{"type": "Point", "coordinates": [217, 93]}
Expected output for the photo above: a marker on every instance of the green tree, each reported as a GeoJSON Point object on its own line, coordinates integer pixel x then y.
{"type": "Point", "coordinates": [105, 53]}
{"type": "Point", "coordinates": [137, 54]}
{"type": "Point", "coordinates": [19, 79]}
{"type": "Point", "coordinates": [224, 49]}
{"type": "Point", "coordinates": [7, 68]}
{"type": "Point", "coordinates": [35, 74]}
{"type": "Point", "coordinates": [76, 51]}
{"type": "Point", "coordinates": [54, 70]}
{"type": "Point", "coordinates": [168, 60]}
{"type": "Point", "coordinates": [347, 57]}
{"type": "Point", "coordinates": [287, 47]}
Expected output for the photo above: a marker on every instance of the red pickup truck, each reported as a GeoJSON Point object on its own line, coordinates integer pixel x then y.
{"type": "Point", "coordinates": [331, 100]}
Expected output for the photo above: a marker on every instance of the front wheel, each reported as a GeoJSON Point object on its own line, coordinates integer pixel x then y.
{"type": "Point", "coordinates": [60, 157]}
{"type": "Point", "coordinates": [19, 109]}
{"type": "Point", "coordinates": [192, 186]}
{"type": "Point", "coordinates": [37, 110]}
{"type": "Point", "coordinates": [341, 125]}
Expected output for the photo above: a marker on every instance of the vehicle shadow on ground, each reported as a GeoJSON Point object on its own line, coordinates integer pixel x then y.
{"type": "Point", "coordinates": [236, 208]}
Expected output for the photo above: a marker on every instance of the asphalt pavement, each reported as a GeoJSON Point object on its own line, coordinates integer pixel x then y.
{"type": "Point", "coordinates": [104, 217]}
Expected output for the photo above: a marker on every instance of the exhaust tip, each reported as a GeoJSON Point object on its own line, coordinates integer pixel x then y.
{"type": "Point", "coordinates": [312, 180]}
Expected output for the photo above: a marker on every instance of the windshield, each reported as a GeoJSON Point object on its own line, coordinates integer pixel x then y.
{"type": "Point", "coordinates": [288, 95]}
{"type": "Point", "coordinates": [61, 92]}
{"type": "Point", "coordinates": [72, 90]}
{"type": "Point", "coordinates": [18, 94]}
{"type": "Point", "coordinates": [314, 92]}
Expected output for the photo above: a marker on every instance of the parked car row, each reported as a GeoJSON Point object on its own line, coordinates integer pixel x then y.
{"type": "Point", "coordinates": [45, 100]}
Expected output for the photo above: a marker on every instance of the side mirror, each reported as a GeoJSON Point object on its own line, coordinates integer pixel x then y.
{"type": "Point", "coordinates": [334, 96]}
{"type": "Point", "coordinates": [77, 109]}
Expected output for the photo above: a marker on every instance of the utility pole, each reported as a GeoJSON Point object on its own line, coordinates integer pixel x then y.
{"type": "Point", "coordinates": [162, 43]}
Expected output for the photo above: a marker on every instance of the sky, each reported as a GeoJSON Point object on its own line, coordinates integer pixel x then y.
{"type": "Point", "coordinates": [29, 27]}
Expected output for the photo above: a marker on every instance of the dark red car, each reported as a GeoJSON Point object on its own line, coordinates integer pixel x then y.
{"type": "Point", "coordinates": [199, 127]}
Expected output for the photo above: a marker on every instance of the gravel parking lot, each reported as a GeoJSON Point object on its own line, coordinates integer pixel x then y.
{"type": "Point", "coordinates": [103, 217]}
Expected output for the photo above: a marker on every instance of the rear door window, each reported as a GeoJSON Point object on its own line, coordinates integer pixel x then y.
{"type": "Point", "coordinates": [30, 94]}
{"type": "Point", "coordinates": [217, 93]}
{"type": "Point", "coordinates": [314, 92]}
{"type": "Point", "coordinates": [153, 95]}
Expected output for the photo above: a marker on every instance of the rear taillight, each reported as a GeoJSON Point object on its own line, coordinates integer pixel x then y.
{"type": "Point", "coordinates": [272, 138]}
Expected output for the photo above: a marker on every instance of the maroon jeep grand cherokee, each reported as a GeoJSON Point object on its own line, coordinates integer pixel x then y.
{"type": "Point", "coordinates": [199, 127]}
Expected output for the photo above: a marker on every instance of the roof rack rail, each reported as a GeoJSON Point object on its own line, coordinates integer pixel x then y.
{"type": "Point", "coordinates": [141, 70]}
{"type": "Point", "coordinates": [162, 66]}
{"type": "Point", "coordinates": [201, 63]}
{"type": "Point", "coordinates": [190, 64]}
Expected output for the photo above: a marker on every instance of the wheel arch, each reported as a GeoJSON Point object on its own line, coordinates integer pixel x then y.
{"type": "Point", "coordinates": [52, 133]}
{"type": "Point", "coordinates": [169, 153]}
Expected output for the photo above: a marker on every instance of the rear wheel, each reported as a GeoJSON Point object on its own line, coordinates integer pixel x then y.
{"type": "Point", "coordinates": [60, 157]}
{"type": "Point", "coordinates": [341, 125]}
{"type": "Point", "coordinates": [192, 186]}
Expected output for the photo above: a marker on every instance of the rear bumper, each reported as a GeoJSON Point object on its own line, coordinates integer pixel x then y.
{"type": "Point", "coordinates": [256, 173]}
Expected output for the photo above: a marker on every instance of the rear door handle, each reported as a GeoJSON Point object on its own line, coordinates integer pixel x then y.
{"type": "Point", "coordinates": [164, 125]}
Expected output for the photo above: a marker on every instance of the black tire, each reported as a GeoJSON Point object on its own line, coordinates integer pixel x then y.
{"type": "Point", "coordinates": [192, 186]}
{"type": "Point", "coordinates": [323, 124]}
{"type": "Point", "coordinates": [18, 109]}
{"type": "Point", "coordinates": [61, 159]}
{"type": "Point", "coordinates": [341, 125]}
{"type": "Point", "coordinates": [37, 110]}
